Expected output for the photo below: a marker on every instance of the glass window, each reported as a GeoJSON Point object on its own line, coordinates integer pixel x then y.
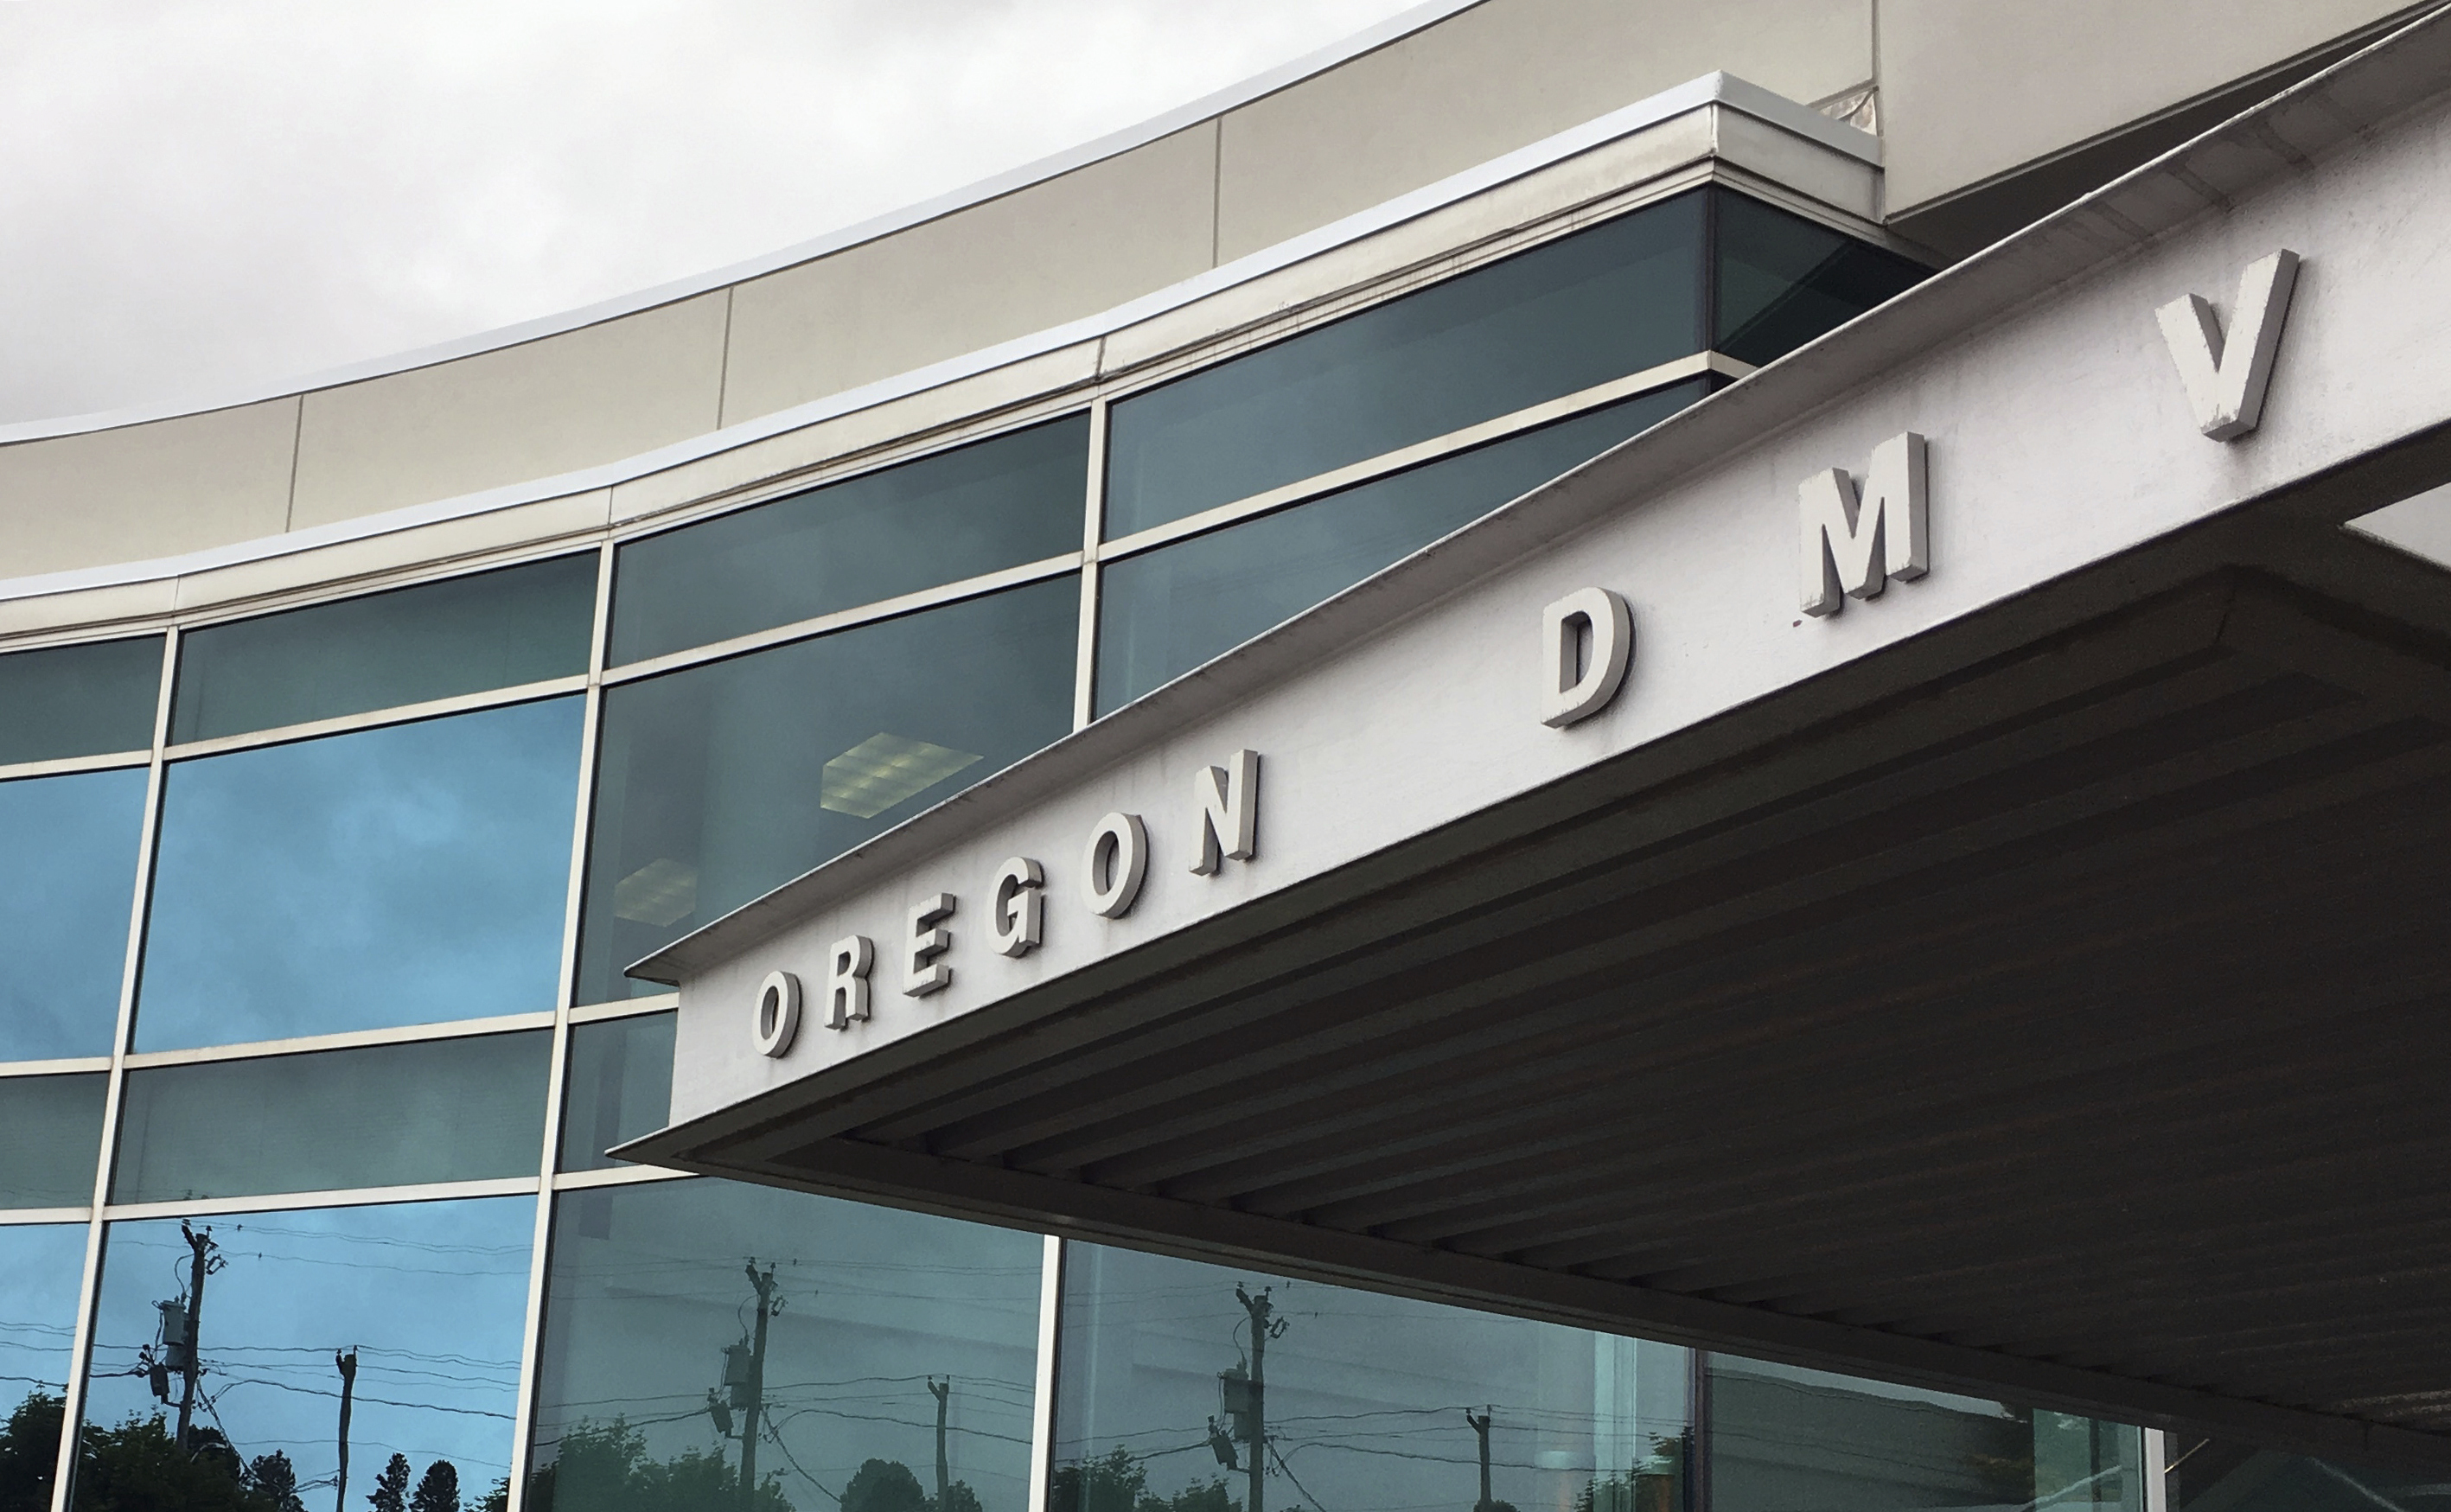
{"type": "Point", "coordinates": [40, 1266]}
{"type": "Point", "coordinates": [721, 782]}
{"type": "Point", "coordinates": [68, 879]}
{"type": "Point", "coordinates": [2219, 1476]}
{"type": "Point", "coordinates": [396, 875]}
{"type": "Point", "coordinates": [1784, 1439]}
{"type": "Point", "coordinates": [384, 1115]}
{"type": "Point", "coordinates": [1580, 310]}
{"type": "Point", "coordinates": [1784, 280]}
{"type": "Point", "coordinates": [436, 640]}
{"type": "Point", "coordinates": [338, 1352]}
{"type": "Point", "coordinates": [862, 1358]}
{"type": "Point", "coordinates": [1164, 612]}
{"type": "Point", "coordinates": [976, 509]}
{"type": "Point", "coordinates": [1176, 1378]}
{"type": "Point", "coordinates": [79, 701]}
{"type": "Point", "coordinates": [620, 1087]}
{"type": "Point", "coordinates": [50, 1136]}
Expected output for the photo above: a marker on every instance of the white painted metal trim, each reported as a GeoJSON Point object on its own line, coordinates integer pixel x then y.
{"type": "Point", "coordinates": [346, 1039]}
{"type": "Point", "coordinates": [29, 1217]}
{"type": "Point", "coordinates": [375, 719]}
{"type": "Point", "coordinates": [1042, 1404]}
{"type": "Point", "coordinates": [627, 1008]}
{"type": "Point", "coordinates": [618, 1176]}
{"type": "Point", "coordinates": [353, 1197]}
{"type": "Point", "coordinates": [61, 766]}
{"type": "Point", "coordinates": [67, 1066]}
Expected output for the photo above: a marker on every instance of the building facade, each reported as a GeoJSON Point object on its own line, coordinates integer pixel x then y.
{"type": "Point", "coordinates": [356, 741]}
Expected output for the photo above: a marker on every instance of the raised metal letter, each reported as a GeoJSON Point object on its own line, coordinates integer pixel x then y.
{"type": "Point", "coordinates": [923, 942]}
{"type": "Point", "coordinates": [1113, 865]}
{"type": "Point", "coordinates": [1586, 642]}
{"type": "Point", "coordinates": [847, 967]}
{"type": "Point", "coordinates": [1019, 914]}
{"type": "Point", "coordinates": [778, 1019]}
{"type": "Point", "coordinates": [1852, 543]}
{"type": "Point", "coordinates": [2225, 380]}
{"type": "Point", "coordinates": [1228, 804]}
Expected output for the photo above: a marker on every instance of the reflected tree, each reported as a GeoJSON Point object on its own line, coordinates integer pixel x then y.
{"type": "Point", "coordinates": [1119, 1483]}
{"type": "Point", "coordinates": [438, 1490]}
{"type": "Point", "coordinates": [30, 1447]}
{"type": "Point", "coordinates": [605, 1468]}
{"type": "Point", "coordinates": [391, 1487]}
{"type": "Point", "coordinates": [883, 1486]}
{"type": "Point", "coordinates": [274, 1480]}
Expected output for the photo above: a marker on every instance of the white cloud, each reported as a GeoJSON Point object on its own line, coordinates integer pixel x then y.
{"type": "Point", "coordinates": [199, 196]}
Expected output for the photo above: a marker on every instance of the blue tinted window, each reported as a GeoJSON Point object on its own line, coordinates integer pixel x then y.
{"type": "Point", "coordinates": [958, 514]}
{"type": "Point", "coordinates": [395, 876]}
{"type": "Point", "coordinates": [1784, 280]}
{"type": "Point", "coordinates": [718, 783]}
{"type": "Point", "coordinates": [436, 640]}
{"type": "Point", "coordinates": [384, 1115]}
{"type": "Point", "coordinates": [79, 701]}
{"type": "Point", "coordinates": [620, 1087]}
{"type": "Point", "coordinates": [425, 1301]}
{"type": "Point", "coordinates": [871, 1312]}
{"type": "Point", "coordinates": [1583, 309]}
{"type": "Point", "coordinates": [50, 1136]}
{"type": "Point", "coordinates": [41, 1265]}
{"type": "Point", "coordinates": [68, 881]}
{"type": "Point", "coordinates": [1164, 612]}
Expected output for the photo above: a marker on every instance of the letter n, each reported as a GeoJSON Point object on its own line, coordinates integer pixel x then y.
{"type": "Point", "coordinates": [1853, 543]}
{"type": "Point", "coordinates": [1229, 813]}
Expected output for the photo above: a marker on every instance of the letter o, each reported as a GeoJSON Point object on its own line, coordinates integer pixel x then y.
{"type": "Point", "coordinates": [1114, 865]}
{"type": "Point", "coordinates": [777, 1020]}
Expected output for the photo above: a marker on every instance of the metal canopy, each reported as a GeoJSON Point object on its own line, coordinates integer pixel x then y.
{"type": "Point", "coordinates": [2032, 982]}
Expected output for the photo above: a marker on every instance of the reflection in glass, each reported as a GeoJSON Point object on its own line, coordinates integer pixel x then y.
{"type": "Point", "coordinates": [1784, 1439]}
{"type": "Point", "coordinates": [975, 509]}
{"type": "Point", "coordinates": [68, 879]}
{"type": "Point", "coordinates": [50, 1136]}
{"type": "Point", "coordinates": [1580, 310]}
{"type": "Point", "coordinates": [887, 1357]}
{"type": "Point", "coordinates": [1176, 1377]}
{"type": "Point", "coordinates": [397, 876]}
{"type": "Point", "coordinates": [384, 1115]}
{"type": "Point", "coordinates": [79, 701]}
{"type": "Point", "coordinates": [1784, 280]}
{"type": "Point", "coordinates": [1164, 612]}
{"type": "Point", "coordinates": [40, 1265]}
{"type": "Point", "coordinates": [2219, 1476]}
{"type": "Point", "coordinates": [436, 640]}
{"type": "Point", "coordinates": [620, 1087]}
{"type": "Point", "coordinates": [400, 1322]}
{"type": "Point", "coordinates": [718, 783]}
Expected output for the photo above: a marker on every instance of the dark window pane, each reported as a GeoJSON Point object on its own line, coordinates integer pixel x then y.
{"type": "Point", "coordinates": [1785, 1438]}
{"type": "Point", "coordinates": [384, 1115]}
{"type": "Point", "coordinates": [973, 510]}
{"type": "Point", "coordinates": [650, 1290]}
{"type": "Point", "coordinates": [620, 1087]}
{"type": "Point", "coordinates": [50, 1135]}
{"type": "Point", "coordinates": [425, 1299]}
{"type": "Point", "coordinates": [1164, 612]}
{"type": "Point", "coordinates": [436, 640]}
{"type": "Point", "coordinates": [721, 782]}
{"type": "Point", "coordinates": [40, 1267]}
{"type": "Point", "coordinates": [1362, 1398]}
{"type": "Point", "coordinates": [79, 701]}
{"type": "Point", "coordinates": [1583, 309]}
{"type": "Point", "coordinates": [397, 875]}
{"type": "Point", "coordinates": [2223, 1476]}
{"type": "Point", "coordinates": [68, 879]}
{"type": "Point", "coordinates": [1784, 280]}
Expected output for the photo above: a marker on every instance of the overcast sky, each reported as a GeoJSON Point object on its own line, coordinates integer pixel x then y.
{"type": "Point", "coordinates": [198, 194]}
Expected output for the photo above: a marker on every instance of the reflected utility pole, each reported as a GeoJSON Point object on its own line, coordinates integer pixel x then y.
{"type": "Point", "coordinates": [744, 1380]}
{"type": "Point", "coordinates": [943, 1393]}
{"type": "Point", "coordinates": [348, 1368]}
{"type": "Point", "coordinates": [1253, 1425]}
{"type": "Point", "coordinates": [1480, 1430]}
{"type": "Point", "coordinates": [202, 1260]}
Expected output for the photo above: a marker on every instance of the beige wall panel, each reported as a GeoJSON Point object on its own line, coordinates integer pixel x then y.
{"type": "Point", "coordinates": [535, 410]}
{"type": "Point", "coordinates": [811, 446]}
{"type": "Point", "coordinates": [144, 491]}
{"type": "Point", "coordinates": [119, 602]}
{"type": "Point", "coordinates": [497, 531]}
{"type": "Point", "coordinates": [1038, 257]}
{"type": "Point", "coordinates": [1497, 77]}
{"type": "Point", "coordinates": [1970, 91]}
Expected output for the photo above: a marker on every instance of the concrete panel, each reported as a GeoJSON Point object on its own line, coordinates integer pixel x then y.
{"type": "Point", "coordinates": [1038, 257]}
{"type": "Point", "coordinates": [83, 609]}
{"type": "Point", "coordinates": [586, 397]}
{"type": "Point", "coordinates": [1497, 77]}
{"type": "Point", "coordinates": [1971, 91]}
{"type": "Point", "coordinates": [144, 491]}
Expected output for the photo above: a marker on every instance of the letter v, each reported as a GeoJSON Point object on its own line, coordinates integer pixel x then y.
{"type": "Point", "coordinates": [2225, 380]}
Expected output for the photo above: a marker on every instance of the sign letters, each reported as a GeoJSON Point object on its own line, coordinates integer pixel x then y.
{"type": "Point", "coordinates": [1855, 539]}
{"type": "Point", "coordinates": [2226, 378]}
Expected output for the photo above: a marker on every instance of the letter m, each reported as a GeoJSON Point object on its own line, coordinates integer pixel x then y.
{"type": "Point", "coordinates": [1855, 542]}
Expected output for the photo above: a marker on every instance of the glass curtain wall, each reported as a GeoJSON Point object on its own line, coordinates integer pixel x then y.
{"type": "Point", "coordinates": [322, 901]}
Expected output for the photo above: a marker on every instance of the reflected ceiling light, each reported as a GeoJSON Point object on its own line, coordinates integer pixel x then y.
{"type": "Point", "coordinates": [661, 893]}
{"type": "Point", "coordinates": [885, 769]}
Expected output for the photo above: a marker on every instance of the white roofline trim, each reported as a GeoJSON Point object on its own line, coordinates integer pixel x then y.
{"type": "Point", "coordinates": [1712, 88]}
